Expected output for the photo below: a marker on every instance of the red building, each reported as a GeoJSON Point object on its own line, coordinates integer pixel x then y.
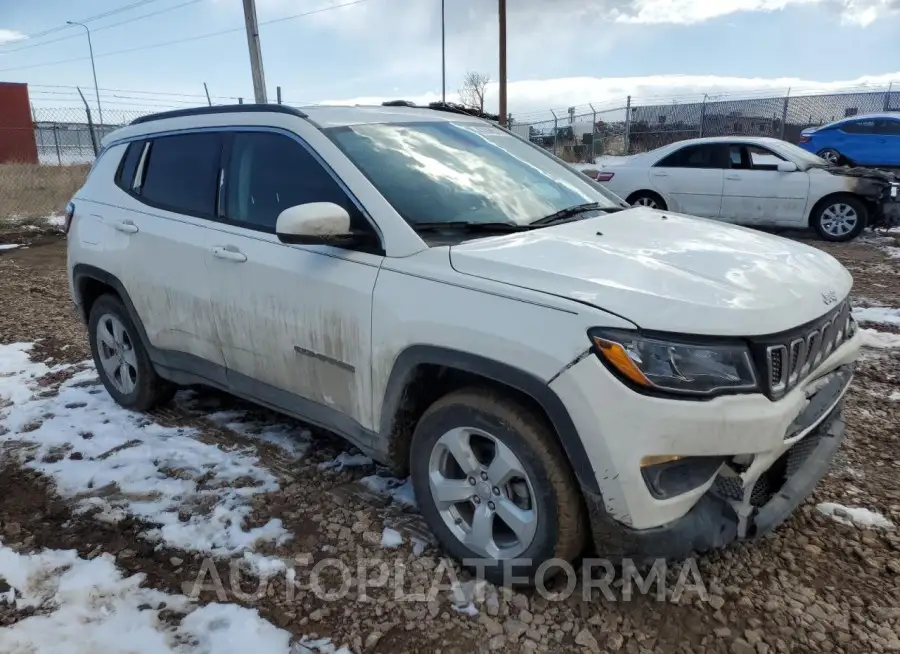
{"type": "Point", "coordinates": [17, 137]}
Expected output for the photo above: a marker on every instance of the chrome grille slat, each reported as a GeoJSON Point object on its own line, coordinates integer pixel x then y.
{"type": "Point", "coordinates": [789, 362]}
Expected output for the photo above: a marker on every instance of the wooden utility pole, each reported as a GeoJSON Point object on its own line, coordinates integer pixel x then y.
{"type": "Point", "coordinates": [256, 65]}
{"type": "Point", "coordinates": [503, 113]}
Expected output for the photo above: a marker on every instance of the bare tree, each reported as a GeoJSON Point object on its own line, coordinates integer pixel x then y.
{"type": "Point", "coordinates": [472, 92]}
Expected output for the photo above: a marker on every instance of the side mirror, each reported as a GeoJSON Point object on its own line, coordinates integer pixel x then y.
{"type": "Point", "coordinates": [315, 223]}
{"type": "Point", "coordinates": [787, 167]}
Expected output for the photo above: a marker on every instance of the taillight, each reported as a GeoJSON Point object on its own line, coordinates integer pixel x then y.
{"type": "Point", "coordinates": [804, 138]}
{"type": "Point", "coordinates": [604, 177]}
{"type": "Point", "coordinates": [70, 214]}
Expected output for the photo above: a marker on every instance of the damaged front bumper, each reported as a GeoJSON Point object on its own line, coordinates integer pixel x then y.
{"type": "Point", "coordinates": [750, 496]}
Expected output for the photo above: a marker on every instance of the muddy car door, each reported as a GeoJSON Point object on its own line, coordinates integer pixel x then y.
{"type": "Point", "coordinates": [294, 321]}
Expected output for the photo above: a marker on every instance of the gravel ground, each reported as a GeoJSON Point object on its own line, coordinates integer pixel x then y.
{"type": "Point", "coordinates": [815, 585]}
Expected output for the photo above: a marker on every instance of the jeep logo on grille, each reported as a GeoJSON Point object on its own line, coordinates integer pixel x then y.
{"type": "Point", "coordinates": [830, 297]}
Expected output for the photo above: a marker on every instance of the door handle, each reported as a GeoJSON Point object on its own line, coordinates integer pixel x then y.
{"type": "Point", "coordinates": [229, 253]}
{"type": "Point", "coordinates": [733, 177]}
{"type": "Point", "coordinates": [126, 227]}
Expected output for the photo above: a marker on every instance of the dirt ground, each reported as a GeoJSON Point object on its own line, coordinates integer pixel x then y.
{"type": "Point", "coordinates": [813, 586]}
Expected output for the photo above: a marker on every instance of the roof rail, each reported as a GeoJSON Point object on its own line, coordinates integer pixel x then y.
{"type": "Point", "coordinates": [219, 109]}
{"type": "Point", "coordinates": [444, 106]}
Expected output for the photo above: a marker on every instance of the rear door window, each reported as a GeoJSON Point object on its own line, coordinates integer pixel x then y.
{"type": "Point", "coordinates": [859, 127]}
{"type": "Point", "coordinates": [694, 156]}
{"type": "Point", "coordinates": [181, 173]}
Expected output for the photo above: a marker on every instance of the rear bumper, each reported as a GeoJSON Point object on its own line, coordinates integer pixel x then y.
{"type": "Point", "coordinates": [714, 521]}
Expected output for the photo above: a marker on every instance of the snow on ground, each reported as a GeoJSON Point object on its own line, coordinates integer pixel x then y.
{"type": "Point", "coordinates": [895, 396]}
{"type": "Point", "coordinates": [121, 463]}
{"type": "Point", "coordinates": [346, 460]}
{"type": "Point", "coordinates": [854, 516]}
{"type": "Point", "coordinates": [294, 441]}
{"type": "Point", "coordinates": [399, 490]}
{"type": "Point", "coordinates": [391, 538]}
{"type": "Point", "coordinates": [880, 340]}
{"type": "Point", "coordinates": [57, 221]}
{"type": "Point", "coordinates": [877, 314]}
{"type": "Point", "coordinates": [88, 607]}
{"type": "Point", "coordinates": [9, 246]}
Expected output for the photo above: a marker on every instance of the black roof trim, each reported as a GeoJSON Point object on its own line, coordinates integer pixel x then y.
{"type": "Point", "coordinates": [221, 109]}
{"type": "Point", "coordinates": [449, 107]}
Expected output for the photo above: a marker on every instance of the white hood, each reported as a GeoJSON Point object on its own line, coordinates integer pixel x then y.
{"type": "Point", "coordinates": [667, 272]}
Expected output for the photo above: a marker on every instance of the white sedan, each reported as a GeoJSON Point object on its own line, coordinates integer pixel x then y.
{"type": "Point", "coordinates": [748, 181]}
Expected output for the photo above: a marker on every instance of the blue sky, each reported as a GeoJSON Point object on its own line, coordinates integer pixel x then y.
{"type": "Point", "coordinates": [561, 53]}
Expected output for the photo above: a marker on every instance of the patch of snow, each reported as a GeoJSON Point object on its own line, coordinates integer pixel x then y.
{"type": "Point", "coordinates": [9, 246]}
{"type": "Point", "coordinates": [55, 221]}
{"type": "Point", "coordinates": [198, 494]}
{"type": "Point", "coordinates": [877, 314]}
{"type": "Point", "coordinates": [854, 516]}
{"type": "Point", "coordinates": [346, 460]}
{"type": "Point", "coordinates": [88, 607]}
{"type": "Point", "coordinates": [399, 490]}
{"type": "Point", "coordinates": [894, 397]}
{"type": "Point", "coordinates": [880, 340]}
{"type": "Point", "coordinates": [469, 609]}
{"type": "Point", "coordinates": [292, 440]}
{"type": "Point", "coordinates": [391, 538]}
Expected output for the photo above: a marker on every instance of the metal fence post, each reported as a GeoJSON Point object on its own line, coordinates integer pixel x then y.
{"type": "Point", "coordinates": [56, 143]}
{"type": "Point", "coordinates": [278, 94]}
{"type": "Point", "coordinates": [628, 125]}
{"type": "Point", "coordinates": [887, 97]}
{"type": "Point", "coordinates": [87, 110]}
{"type": "Point", "coordinates": [593, 132]}
{"type": "Point", "coordinates": [784, 113]}
{"type": "Point", "coordinates": [703, 114]}
{"type": "Point", "coordinates": [555, 131]}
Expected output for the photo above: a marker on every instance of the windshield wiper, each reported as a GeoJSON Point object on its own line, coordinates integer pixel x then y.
{"type": "Point", "coordinates": [469, 226]}
{"type": "Point", "coordinates": [569, 213]}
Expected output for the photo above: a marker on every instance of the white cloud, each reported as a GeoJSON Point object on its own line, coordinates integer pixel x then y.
{"type": "Point", "coordinates": [532, 99]}
{"type": "Point", "coordinates": [11, 36]}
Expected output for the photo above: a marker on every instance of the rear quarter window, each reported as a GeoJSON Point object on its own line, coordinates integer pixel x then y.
{"type": "Point", "coordinates": [128, 165]}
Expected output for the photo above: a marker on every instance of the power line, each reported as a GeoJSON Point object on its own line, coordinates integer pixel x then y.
{"type": "Point", "coordinates": [102, 27]}
{"type": "Point", "coordinates": [157, 93]}
{"type": "Point", "coordinates": [186, 39]}
{"type": "Point", "coordinates": [104, 14]}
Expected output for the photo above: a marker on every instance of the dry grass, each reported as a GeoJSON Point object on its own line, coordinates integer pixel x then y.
{"type": "Point", "coordinates": [35, 191]}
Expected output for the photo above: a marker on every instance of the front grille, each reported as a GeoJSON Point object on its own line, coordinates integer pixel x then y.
{"type": "Point", "coordinates": [786, 359]}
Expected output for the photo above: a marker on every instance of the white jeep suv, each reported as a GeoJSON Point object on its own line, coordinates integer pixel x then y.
{"type": "Point", "coordinates": [550, 366]}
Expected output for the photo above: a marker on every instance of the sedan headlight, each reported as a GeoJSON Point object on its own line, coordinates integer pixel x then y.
{"type": "Point", "coordinates": [674, 366]}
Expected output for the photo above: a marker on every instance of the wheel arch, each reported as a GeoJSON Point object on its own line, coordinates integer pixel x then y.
{"type": "Point", "coordinates": [90, 282]}
{"type": "Point", "coordinates": [423, 373]}
{"type": "Point", "coordinates": [831, 197]}
{"type": "Point", "coordinates": [647, 191]}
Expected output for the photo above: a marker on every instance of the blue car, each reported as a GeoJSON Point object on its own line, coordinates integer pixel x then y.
{"type": "Point", "coordinates": [870, 140]}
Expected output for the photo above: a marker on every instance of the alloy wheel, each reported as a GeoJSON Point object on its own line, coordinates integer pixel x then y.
{"type": "Point", "coordinates": [839, 219]}
{"type": "Point", "coordinates": [483, 493]}
{"type": "Point", "coordinates": [116, 353]}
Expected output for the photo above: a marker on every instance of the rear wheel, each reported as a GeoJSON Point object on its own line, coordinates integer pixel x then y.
{"type": "Point", "coordinates": [121, 359]}
{"type": "Point", "coordinates": [839, 218]}
{"type": "Point", "coordinates": [495, 487]}
{"type": "Point", "coordinates": [832, 156]}
{"type": "Point", "coordinates": [647, 199]}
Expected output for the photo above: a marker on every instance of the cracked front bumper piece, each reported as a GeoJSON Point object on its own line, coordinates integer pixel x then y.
{"type": "Point", "coordinates": [738, 505]}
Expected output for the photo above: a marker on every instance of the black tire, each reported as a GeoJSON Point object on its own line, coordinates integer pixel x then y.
{"type": "Point", "coordinates": [818, 214]}
{"type": "Point", "coordinates": [150, 390]}
{"type": "Point", "coordinates": [647, 199]}
{"type": "Point", "coordinates": [561, 517]}
{"type": "Point", "coordinates": [832, 156]}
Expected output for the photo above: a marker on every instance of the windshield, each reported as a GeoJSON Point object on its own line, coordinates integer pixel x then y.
{"type": "Point", "coordinates": [798, 154]}
{"type": "Point", "coordinates": [434, 172]}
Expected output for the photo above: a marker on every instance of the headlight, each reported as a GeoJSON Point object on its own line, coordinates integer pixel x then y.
{"type": "Point", "coordinates": [676, 367]}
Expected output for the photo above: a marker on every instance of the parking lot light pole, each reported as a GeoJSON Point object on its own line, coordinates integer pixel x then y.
{"type": "Point", "coordinates": [93, 67]}
{"type": "Point", "coordinates": [502, 12]}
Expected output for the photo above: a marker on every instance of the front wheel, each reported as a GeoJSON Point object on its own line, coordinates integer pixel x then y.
{"type": "Point", "coordinates": [839, 219]}
{"type": "Point", "coordinates": [495, 487]}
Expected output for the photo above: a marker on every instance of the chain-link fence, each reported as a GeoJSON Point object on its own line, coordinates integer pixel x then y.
{"type": "Point", "coordinates": [44, 163]}
{"type": "Point", "coordinates": [632, 128]}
